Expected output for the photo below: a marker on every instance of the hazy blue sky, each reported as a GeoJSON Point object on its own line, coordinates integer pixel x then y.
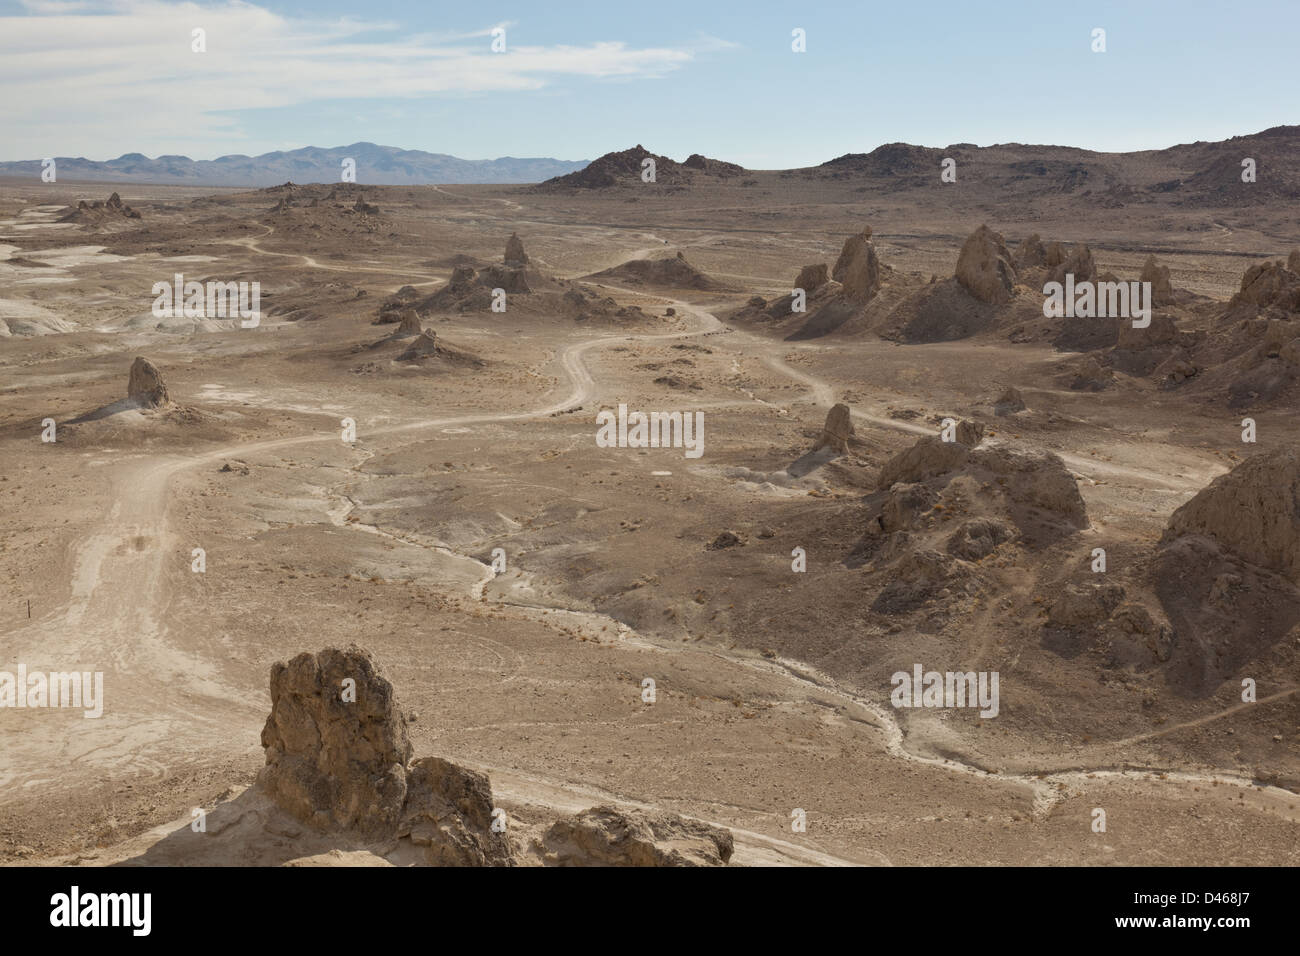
{"type": "Point", "coordinates": [97, 79]}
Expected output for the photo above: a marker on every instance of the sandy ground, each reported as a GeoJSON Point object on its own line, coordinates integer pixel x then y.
{"type": "Point", "coordinates": [773, 688]}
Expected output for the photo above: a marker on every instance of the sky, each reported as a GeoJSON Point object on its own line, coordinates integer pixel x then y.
{"type": "Point", "coordinates": [98, 78]}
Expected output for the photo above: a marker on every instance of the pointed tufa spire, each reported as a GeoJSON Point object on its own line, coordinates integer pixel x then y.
{"type": "Point", "coordinates": [409, 324]}
{"type": "Point", "coordinates": [837, 430]}
{"type": "Point", "coordinates": [146, 384]}
{"type": "Point", "coordinates": [516, 258]}
{"type": "Point", "coordinates": [1162, 291]}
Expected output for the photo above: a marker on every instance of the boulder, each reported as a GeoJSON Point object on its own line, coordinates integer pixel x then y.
{"type": "Point", "coordinates": [609, 836]}
{"type": "Point", "coordinates": [811, 278]}
{"type": "Point", "coordinates": [146, 384]}
{"type": "Point", "coordinates": [969, 433]}
{"type": "Point", "coordinates": [1009, 402]}
{"type": "Point", "coordinates": [984, 267]}
{"type": "Point", "coordinates": [448, 812]}
{"type": "Point", "coordinates": [724, 540]}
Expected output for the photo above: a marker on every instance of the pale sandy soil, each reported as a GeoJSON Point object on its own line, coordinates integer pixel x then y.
{"type": "Point", "coordinates": [773, 689]}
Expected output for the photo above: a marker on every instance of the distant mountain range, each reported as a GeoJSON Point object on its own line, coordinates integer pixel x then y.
{"type": "Point", "coordinates": [375, 165]}
{"type": "Point", "coordinates": [1254, 170]}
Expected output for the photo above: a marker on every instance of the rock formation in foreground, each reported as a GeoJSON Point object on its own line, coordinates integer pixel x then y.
{"type": "Point", "coordinates": [146, 386]}
{"type": "Point", "coordinates": [1253, 511]}
{"type": "Point", "coordinates": [837, 430]}
{"type": "Point", "coordinates": [336, 744]}
{"type": "Point", "coordinates": [984, 267]}
{"type": "Point", "coordinates": [608, 836]}
{"type": "Point", "coordinates": [339, 759]}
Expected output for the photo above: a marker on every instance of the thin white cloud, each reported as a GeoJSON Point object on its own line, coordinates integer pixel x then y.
{"type": "Point", "coordinates": [122, 72]}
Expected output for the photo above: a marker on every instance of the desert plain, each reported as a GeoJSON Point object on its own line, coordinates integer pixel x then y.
{"type": "Point", "coordinates": [518, 582]}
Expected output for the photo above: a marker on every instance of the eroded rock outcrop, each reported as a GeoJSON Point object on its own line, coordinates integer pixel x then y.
{"type": "Point", "coordinates": [338, 758]}
{"type": "Point", "coordinates": [858, 268]}
{"type": "Point", "coordinates": [1162, 290]}
{"type": "Point", "coordinates": [609, 836]}
{"type": "Point", "coordinates": [1091, 376]}
{"type": "Point", "coordinates": [1030, 253]}
{"type": "Point", "coordinates": [1078, 263]}
{"type": "Point", "coordinates": [984, 267]}
{"type": "Point", "coordinates": [1009, 402]}
{"type": "Point", "coordinates": [101, 211]}
{"type": "Point", "coordinates": [409, 324]}
{"type": "Point", "coordinates": [929, 457]}
{"type": "Point", "coordinates": [1269, 285]}
{"type": "Point", "coordinates": [425, 344]}
{"type": "Point", "coordinates": [448, 813]}
{"type": "Point", "coordinates": [146, 386]}
{"type": "Point", "coordinates": [1027, 480]}
{"type": "Point", "coordinates": [515, 257]}
{"type": "Point", "coordinates": [336, 743]}
{"type": "Point", "coordinates": [811, 278]}
{"type": "Point", "coordinates": [837, 430]}
{"type": "Point", "coordinates": [1253, 511]}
